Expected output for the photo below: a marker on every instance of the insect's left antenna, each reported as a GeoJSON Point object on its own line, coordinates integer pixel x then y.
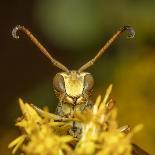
{"type": "Point", "coordinates": [39, 45]}
{"type": "Point", "coordinates": [131, 34]}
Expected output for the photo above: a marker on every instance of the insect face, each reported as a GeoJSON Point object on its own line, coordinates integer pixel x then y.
{"type": "Point", "coordinates": [73, 88]}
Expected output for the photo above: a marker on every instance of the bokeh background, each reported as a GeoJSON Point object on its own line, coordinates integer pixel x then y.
{"type": "Point", "coordinates": [73, 31]}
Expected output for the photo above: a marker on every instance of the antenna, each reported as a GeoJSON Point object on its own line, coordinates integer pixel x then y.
{"type": "Point", "coordinates": [131, 34]}
{"type": "Point", "coordinates": [39, 45]}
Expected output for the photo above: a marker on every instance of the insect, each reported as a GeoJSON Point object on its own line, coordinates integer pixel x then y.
{"type": "Point", "coordinates": [73, 88]}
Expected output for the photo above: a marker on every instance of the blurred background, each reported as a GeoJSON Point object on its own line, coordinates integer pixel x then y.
{"type": "Point", "coordinates": [73, 31]}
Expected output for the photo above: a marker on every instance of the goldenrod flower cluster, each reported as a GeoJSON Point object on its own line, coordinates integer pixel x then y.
{"type": "Point", "coordinates": [41, 134]}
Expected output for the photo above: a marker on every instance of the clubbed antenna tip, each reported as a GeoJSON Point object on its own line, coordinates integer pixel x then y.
{"type": "Point", "coordinates": [14, 32]}
{"type": "Point", "coordinates": [130, 31]}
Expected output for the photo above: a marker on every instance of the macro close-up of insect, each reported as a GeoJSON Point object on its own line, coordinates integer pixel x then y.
{"type": "Point", "coordinates": [77, 77]}
{"type": "Point", "coordinates": [74, 88]}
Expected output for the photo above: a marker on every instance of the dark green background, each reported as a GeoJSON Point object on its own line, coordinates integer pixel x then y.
{"type": "Point", "coordinates": [73, 31]}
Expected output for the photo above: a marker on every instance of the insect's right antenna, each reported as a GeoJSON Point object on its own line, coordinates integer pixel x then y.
{"type": "Point", "coordinates": [131, 34]}
{"type": "Point", "coordinates": [39, 45]}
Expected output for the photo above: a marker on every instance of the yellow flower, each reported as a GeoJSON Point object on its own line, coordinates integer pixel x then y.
{"type": "Point", "coordinates": [44, 133]}
{"type": "Point", "coordinates": [38, 135]}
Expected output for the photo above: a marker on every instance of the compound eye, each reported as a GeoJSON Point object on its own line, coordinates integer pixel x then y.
{"type": "Point", "coordinates": [58, 83]}
{"type": "Point", "coordinates": [88, 82]}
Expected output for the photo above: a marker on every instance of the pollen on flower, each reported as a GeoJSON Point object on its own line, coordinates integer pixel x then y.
{"type": "Point", "coordinates": [44, 133]}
